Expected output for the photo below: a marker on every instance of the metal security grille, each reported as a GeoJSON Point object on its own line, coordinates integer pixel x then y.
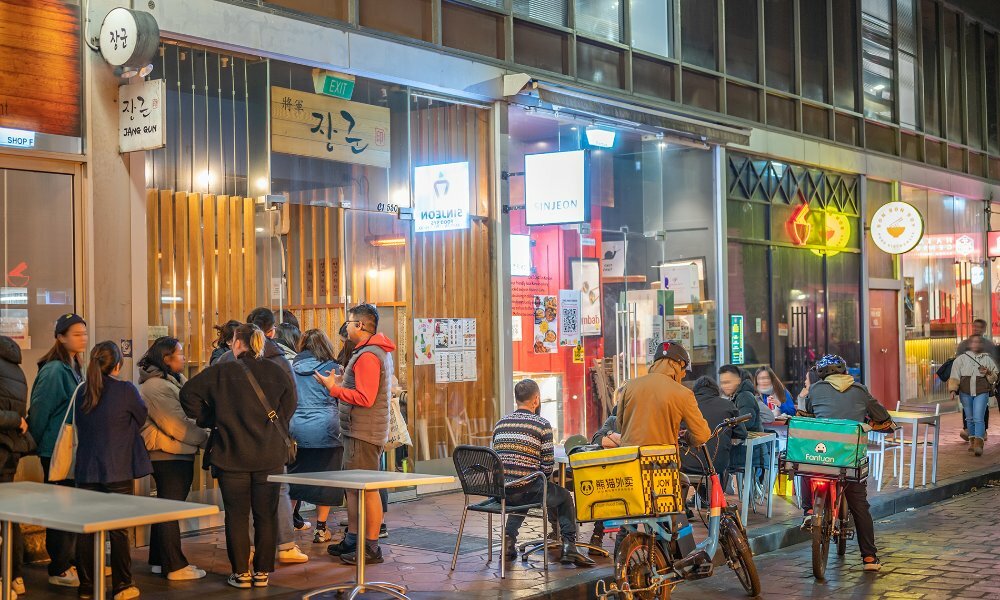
{"type": "Point", "coordinates": [763, 180]}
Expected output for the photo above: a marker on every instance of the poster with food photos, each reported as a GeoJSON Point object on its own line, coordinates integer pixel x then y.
{"type": "Point", "coordinates": [546, 313]}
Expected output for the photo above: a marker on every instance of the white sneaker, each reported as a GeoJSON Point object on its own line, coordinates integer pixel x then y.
{"type": "Point", "coordinates": [186, 574]}
{"type": "Point", "coordinates": [292, 555]}
{"type": "Point", "coordinates": [128, 593]}
{"type": "Point", "coordinates": [156, 570]}
{"type": "Point", "coordinates": [69, 578]}
{"type": "Point", "coordinates": [17, 585]}
{"type": "Point", "coordinates": [304, 526]}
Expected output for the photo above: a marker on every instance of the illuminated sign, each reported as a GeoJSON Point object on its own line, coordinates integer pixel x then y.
{"type": "Point", "coordinates": [736, 340]}
{"type": "Point", "coordinates": [961, 246]}
{"type": "Point", "coordinates": [17, 138]}
{"type": "Point", "coordinates": [441, 197]}
{"type": "Point", "coordinates": [897, 227]}
{"type": "Point", "coordinates": [838, 234]}
{"type": "Point", "coordinates": [520, 255]}
{"type": "Point", "coordinates": [994, 244]}
{"type": "Point", "coordinates": [836, 229]}
{"type": "Point", "coordinates": [555, 188]}
{"type": "Point", "coordinates": [798, 226]}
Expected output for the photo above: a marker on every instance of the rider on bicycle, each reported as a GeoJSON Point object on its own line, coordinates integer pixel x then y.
{"type": "Point", "coordinates": [838, 396]}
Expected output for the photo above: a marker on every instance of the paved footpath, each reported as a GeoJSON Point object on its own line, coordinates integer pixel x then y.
{"type": "Point", "coordinates": [947, 550]}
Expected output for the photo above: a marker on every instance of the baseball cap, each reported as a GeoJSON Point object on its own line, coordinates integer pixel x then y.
{"type": "Point", "coordinates": [66, 321]}
{"type": "Point", "coordinates": [672, 350]}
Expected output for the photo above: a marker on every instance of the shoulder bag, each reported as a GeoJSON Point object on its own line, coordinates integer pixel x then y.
{"type": "Point", "coordinates": [291, 446]}
{"type": "Point", "coordinates": [64, 453]}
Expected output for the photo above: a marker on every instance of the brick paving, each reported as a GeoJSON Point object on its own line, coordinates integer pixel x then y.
{"type": "Point", "coordinates": [427, 574]}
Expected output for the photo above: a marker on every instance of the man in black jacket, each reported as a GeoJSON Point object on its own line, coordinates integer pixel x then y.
{"type": "Point", "coordinates": [715, 409]}
{"type": "Point", "coordinates": [15, 441]}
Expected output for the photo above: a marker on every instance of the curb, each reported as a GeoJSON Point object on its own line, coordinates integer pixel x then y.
{"type": "Point", "coordinates": [777, 536]}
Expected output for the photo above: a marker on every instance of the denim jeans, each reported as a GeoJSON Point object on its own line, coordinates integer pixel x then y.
{"type": "Point", "coordinates": [975, 413]}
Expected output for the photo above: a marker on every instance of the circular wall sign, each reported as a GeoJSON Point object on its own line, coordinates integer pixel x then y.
{"type": "Point", "coordinates": [129, 37]}
{"type": "Point", "coordinates": [897, 227]}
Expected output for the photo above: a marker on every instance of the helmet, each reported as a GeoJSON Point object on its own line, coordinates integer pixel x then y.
{"type": "Point", "coordinates": [672, 350]}
{"type": "Point", "coordinates": [831, 364]}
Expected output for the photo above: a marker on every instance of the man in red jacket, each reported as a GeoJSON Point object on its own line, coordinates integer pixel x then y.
{"type": "Point", "coordinates": [363, 391]}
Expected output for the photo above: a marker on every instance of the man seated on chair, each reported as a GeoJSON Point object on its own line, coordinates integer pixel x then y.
{"type": "Point", "coordinates": [523, 441]}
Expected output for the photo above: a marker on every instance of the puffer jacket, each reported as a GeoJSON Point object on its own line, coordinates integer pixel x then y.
{"type": "Point", "coordinates": [715, 409]}
{"type": "Point", "coordinates": [168, 433]}
{"type": "Point", "coordinates": [316, 422]}
{"type": "Point", "coordinates": [13, 406]}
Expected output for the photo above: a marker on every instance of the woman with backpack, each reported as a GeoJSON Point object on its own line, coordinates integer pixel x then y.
{"type": "Point", "coordinates": [110, 456]}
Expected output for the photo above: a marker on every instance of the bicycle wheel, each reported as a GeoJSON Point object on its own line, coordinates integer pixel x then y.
{"type": "Point", "coordinates": [822, 524]}
{"type": "Point", "coordinates": [638, 558]}
{"type": "Point", "coordinates": [845, 525]}
{"type": "Point", "coordinates": [739, 556]}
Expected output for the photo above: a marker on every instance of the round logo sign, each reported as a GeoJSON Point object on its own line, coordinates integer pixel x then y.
{"type": "Point", "coordinates": [129, 38]}
{"type": "Point", "coordinates": [897, 227]}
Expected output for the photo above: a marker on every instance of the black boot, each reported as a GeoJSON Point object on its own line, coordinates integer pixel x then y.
{"type": "Point", "coordinates": [570, 555]}
{"type": "Point", "coordinates": [510, 549]}
{"type": "Point", "coordinates": [596, 540]}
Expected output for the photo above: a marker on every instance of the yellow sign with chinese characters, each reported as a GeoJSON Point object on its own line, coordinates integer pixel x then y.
{"type": "Point", "coordinates": [305, 124]}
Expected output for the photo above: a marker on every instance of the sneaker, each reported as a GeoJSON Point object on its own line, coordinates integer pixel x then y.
{"type": "Point", "coordinates": [292, 555]}
{"type": "Point", "coordinates": [383, 531]}
{"type": "Point", "coordinates": [872, 563]}
{"type": "Point", "coordinates": [259, 579]}
{"type": "Point", "coordinates": [303, 525]}
{"type": "Point", "coordinates": [372, 557]}
{"type": "Point", "coordinates": [321, 536]}
{"type": "Point", "coordinates": [17, 585]}
{"type": "Point", "coordinates": [186, 574]}
{"type": "Point", "coordinates": [240, 580]}
{"type": "Point", "coordinates": [69, 578]}
{"type": "Point", "coordinates": [156, 570]}
{"type": "Point", "coordinates": [341, 548]}
{"type": "Point", "coordinates": [127, 593]}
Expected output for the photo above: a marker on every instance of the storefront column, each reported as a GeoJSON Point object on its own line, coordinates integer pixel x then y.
{"type": "Point", "coordinates": [501, 244]}
{"type": "Point", "coordinates": [722, 254]}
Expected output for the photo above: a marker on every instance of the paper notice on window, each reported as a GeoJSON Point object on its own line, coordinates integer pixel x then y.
{"type": "Point", "coordinates": [468, 333]}
{"type": "Point", "coordinates": [470, 370]}
{"type": "Point", "coordinates": [516, 331]}
{"type": "Point", "coordinates": [569, 318]}
{"type": "Point", "coordinates": [423, 341]}
{"type": "Point", "coordinates": [441, 366]}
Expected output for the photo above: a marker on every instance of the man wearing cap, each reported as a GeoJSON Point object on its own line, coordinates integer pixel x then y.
{"type": "Point", "coordinates": [653, 406]}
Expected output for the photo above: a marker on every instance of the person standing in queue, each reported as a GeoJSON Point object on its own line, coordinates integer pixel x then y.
{"type": "Point", "coordinates": [363, 392]}
{"type": "Point", "coordinates": [246, 446]}
{"type": "Point", "coordinates": [110, 456]}
{"type": "Point", "coordinates": [173, 440]}
{"type": "Point", "coordinates": [15, 442]}
{"type": "Point", "coordinates": [221, 344]}
{"type": "Point", "coordinates": [59, 373]}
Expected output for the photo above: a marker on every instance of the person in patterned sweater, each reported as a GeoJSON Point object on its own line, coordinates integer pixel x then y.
{"type": "Point", "coordinates": [523, 440]}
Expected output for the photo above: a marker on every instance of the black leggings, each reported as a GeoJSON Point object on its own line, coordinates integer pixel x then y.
{"type": "Point", "coordinates": [60, 545]}
{"type": "Point", "coordinates": [173, 482]}
{"type": "Point", "coordinates": [121, 560]}
{"type": "Point", "coordinates": [243, 494]}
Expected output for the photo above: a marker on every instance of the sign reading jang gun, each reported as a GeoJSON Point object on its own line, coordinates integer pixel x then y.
{"type": "Point", "coordinates": [318, 126]}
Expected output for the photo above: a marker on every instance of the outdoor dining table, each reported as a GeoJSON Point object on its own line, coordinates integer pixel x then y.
{"type": "Point", "coordinates": [915, 419]}
{"type": "Point", "coordinates": [82, 511]}
{"type": "Point", "coordinates": [362, 481]}
{"type": "Point", "coordinates": [754, 439]}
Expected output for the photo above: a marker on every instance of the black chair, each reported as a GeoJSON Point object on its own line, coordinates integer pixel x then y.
{"type": "Point", "coordinates": [481, 474]}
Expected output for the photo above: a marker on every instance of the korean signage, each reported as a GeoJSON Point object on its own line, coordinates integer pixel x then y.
{"type": "Point", "coordinates": [897, 227]}
{"type": "Point", "coordinates": [736, 340]}
{"type": "Point", "coordinates": [142, 122]}
{"type": "Point", "coordinates": [317, 126]}
{"type": "Point", "coordinates": [441, 197]}
{"type": "Point", "coordinates": [555, 188]}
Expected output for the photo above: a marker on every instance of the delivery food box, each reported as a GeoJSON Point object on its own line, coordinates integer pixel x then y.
{"type": "Point", "coordinates": [826, 442]}
{"type": "Point", "coordinates": [632, 481]}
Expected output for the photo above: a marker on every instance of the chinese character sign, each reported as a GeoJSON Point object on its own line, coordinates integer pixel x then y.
{"type": "Point", "coordinates": [305, 124]}
{"type": "Point", "coordinates": [141, 118]}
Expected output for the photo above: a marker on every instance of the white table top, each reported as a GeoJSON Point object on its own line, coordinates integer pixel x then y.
{"type": "Point", "coordinates": [756, 437]}
{"type": "Point", "coordinates": [362, 480]}
{"type": "Point", "coordinates": [913, 417]}
{"type": "Point", "coordinates": [559, 454]}
{"type": "Point", "coordinates": [83, 511]}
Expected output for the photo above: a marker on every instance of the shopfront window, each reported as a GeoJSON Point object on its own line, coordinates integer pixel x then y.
{"type": "Point", "coordinates": [794, 264]}
{"type": "Point", "coordinates": [944, 285]}
{"type": "Point", "coordinates": [595, 286]}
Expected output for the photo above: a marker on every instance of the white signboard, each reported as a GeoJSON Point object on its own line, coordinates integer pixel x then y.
{"type": "Point", "coordinates": [613, 258]}
{"type": "Point", "coordinates": [683, 280]}
{"type": "Point", "coordinates": [520, 255]}
{"type": "Point", "coordinates": [555, 188]}
{"type": "Point", "coordinates": [142, 122]}
{"type": "Point", "coordinates": [897, 227]}
{"type": "Point", "coordinates": [441, 197]}
{"type": "Point", "coordinates": [119, 36]}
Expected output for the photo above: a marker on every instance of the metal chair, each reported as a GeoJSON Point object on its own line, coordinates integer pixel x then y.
{"type": "Point", "coordinates": [879, 444]}
{"type": "Point", "coordinates": [481, 474]}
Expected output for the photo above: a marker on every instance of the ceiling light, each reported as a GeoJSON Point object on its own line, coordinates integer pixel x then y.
{"type": "Point", "coordinates": [146, 70]}
{"type": "Point", "coordinates": [600, 138]}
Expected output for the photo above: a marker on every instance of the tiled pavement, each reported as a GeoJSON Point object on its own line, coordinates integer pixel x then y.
{"type": "Point", "coordinates": [427, 574]}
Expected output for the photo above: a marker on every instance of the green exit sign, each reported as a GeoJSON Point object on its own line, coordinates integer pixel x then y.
{"type": "Point", "coordinates": [337, 87]}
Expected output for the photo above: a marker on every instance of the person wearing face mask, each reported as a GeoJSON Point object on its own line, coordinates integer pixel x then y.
{"type": "Point", "coordinates": [523, 441]}
{"type": "Point", "coordinates": [653, 406]}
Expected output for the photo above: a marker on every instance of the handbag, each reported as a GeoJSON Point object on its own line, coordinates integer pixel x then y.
{"type": "Point", "coordinates": [291, 446]}
{"type": "Point", "coordinates": [944, 371]}
{"type": "Point", "coordinates": [991, 379]}
{"type": "Point", "coordinates": [64, 453]}
{"type": "Point", "coordinates": [399, 435]}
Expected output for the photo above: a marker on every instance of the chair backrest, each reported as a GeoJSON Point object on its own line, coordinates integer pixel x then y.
{"type": "Point", "coordinates": [479, 471]}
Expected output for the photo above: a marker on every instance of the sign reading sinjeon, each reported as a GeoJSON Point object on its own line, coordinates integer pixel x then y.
{"type": "Point", "coordinates": [441, 197]}
{"type": "Point", "coordinates": [897, 227]}
{"type": "Point", "coordinates": [555, 188]}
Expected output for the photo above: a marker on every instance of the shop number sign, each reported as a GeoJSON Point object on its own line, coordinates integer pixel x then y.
{"type": "Point", "coordinates": [736, 339]}
{"type": "Point", "coordinates": [897, 227]}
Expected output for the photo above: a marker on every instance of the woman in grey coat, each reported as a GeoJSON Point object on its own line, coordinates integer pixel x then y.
{"type": "Point", "coordinates": [172, 440]}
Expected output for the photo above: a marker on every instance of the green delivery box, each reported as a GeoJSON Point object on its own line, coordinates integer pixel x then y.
{"type": "Point", "coordinates": [826, 442]}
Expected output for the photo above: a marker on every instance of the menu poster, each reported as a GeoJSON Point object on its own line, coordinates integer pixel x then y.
{"type": "Point", "coordinates": [516, 333]}
{"type": "Point", "coordinates": [469, 370]}
{"type": "Point", "coordinates": [441, 367]}
{"type": "Point", "coordinates": [586, 276]}
{"type": "Point", "coordinates": [546, 325]}
{"type": "Point", "coordinates": [448, 334]}
{"type": "Point", "coordinates": [423, 341]}
{"type": "Point", "coordinates": [468, 333]}
{"type": "Point", "coordinates": [569, 318]}
{"type": "Point", "coordinates": [677, 330]}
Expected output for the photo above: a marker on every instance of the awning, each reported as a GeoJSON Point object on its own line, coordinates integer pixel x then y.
{"type": "Point", "coordinates": [538, 93]}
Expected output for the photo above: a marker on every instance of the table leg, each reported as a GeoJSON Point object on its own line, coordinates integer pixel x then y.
{"type": "Point", "coordinates": [362, 540]}
{"type": "Point", "coordinates": [98, 575]}
{"type": "Point", "coordinates": [771, 475]}
{"type": "Point", "coordinates": [934, 454]}
{"type": "Point", "coordinates": [923, 459]}
{"type": "Point", "coordinates": [747, 481]}
{"type": "Point", "coordinates": [6, 531]}
{"type": "Point", "coordinates": [913, 455]}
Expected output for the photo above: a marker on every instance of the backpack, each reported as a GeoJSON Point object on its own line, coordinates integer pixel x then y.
{"type": "Point", "coordinates": [944, 371]}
